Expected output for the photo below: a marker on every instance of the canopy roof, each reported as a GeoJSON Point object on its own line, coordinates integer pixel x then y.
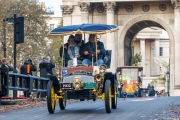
{"type": "Point", "coordinates": [84, 29]}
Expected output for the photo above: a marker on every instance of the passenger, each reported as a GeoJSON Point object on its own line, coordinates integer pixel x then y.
{"type": "Point", "coordinates": [71, 50]}
{"type": "Point", "coordinates": [90, 48]}
{"type": "Point", "coordinates": [80, 43]}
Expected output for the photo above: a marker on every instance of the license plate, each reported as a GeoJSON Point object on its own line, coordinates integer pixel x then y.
{"type": "Point", "coordinates": [66, 85]}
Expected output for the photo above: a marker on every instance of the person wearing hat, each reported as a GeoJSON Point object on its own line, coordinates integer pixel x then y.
{"type": "Point", "coordinates": [90, 48]}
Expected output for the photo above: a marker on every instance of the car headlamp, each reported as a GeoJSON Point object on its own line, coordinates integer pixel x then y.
{"type": "Point", "coordinates": [77, 83]}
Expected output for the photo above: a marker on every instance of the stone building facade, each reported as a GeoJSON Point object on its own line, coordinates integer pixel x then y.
{"type": "Point", "coordinates": [130, 16]}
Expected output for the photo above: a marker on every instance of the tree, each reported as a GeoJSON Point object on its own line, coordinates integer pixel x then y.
{"type": "Point", "coordinates": [35, 29]}
{"type": "Point", "coordinates": [55, 45]}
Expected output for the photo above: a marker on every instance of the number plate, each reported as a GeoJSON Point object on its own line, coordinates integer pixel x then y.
{"type": "Point", "coordinates": [66, 85]}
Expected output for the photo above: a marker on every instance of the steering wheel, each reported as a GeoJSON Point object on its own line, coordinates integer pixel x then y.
{"type": "Point", "coordinates": [92, 54]}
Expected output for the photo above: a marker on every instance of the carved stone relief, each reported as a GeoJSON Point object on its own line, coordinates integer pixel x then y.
{"type": "Point", "coordinates": [100, 9]}
{"type": "Point", "coordinates": [176, 4]}
{"type": "Point", "coordinates": [129, 8]}
{"type": "Point", "coordinates": [84, 6]}
{"type": "Point", "coordinates": [109, 6]}
{"type": "Point", "coordinates": [162, 7]}
{"type": "Point", "coordinates": [145, 8]}
{"type": "Point", "coordinates": [67, 9]}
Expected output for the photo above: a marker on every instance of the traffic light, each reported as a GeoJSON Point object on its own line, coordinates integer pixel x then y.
{"type": "Point", "coordinates": [19, 30]}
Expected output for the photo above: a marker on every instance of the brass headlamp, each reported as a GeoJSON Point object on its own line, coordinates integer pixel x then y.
{"type": "Point", "coordinates": [77, 83]}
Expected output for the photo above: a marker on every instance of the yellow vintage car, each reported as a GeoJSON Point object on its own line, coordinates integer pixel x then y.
{"type": "Point", "coordinates": [130, 83]}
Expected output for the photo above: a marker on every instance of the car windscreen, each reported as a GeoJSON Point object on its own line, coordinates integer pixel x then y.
{"type": "Point", "coordinates": [132, 73]}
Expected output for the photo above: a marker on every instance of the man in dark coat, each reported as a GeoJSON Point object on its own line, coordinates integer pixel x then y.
{"type": "Point", "coordinates": [32, 67]}
{"type": "Point", "coordinates": [46, 65]}
{"type": "Point", "coordinates": [23, 70]}
{"type": "Point", "coordinates": [90, 48]}
{"type": "Point", "coordinates": [80, 43]}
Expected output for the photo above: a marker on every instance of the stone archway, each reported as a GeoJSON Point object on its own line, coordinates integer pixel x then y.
{"type": "Point", "coordinates": [132, 28]}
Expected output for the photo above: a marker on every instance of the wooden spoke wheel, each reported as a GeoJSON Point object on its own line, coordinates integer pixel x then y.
{"type": "Point", "coordinates": [62, 101]}
{"type": "Point", "coordinates": [51, 101]}
{"type": "Point", "coordinates": [108, 93]}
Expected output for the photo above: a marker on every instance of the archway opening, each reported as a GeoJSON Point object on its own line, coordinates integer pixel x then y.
{"type": "Point", "coordinates": [146, 37]}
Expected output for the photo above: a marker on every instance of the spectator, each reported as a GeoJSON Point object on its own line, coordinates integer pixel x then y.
{"type": "Point", "coordinates": [46, 65]}
{"type": "Point", "coordinates": [90, 48]}
{"type": "Point", "coordinates": [4, 62]}
{"type": "Point", "coordinates": [23, 70]}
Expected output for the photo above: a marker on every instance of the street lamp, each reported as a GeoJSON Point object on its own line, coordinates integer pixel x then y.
{"type": "Point", "coordinates": [9, 21]}
{"type": "Point", "coordinates": [168, 84]}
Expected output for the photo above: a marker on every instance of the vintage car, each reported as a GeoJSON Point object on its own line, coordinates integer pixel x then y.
{"type": "Point", "coordinates": [84, 82]}
{"type": "Point", "coordinates": [130, 82]}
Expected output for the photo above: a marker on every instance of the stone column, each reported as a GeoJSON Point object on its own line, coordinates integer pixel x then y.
{"type": "Point", "coordinates": [84, 7]}
{"type": "Point", "coordinates": [110, 41]}
{"type": "Point", "coordinates": [175, 85]}
{"type": "Point", "coordinates": [67, 16]}
{"type": "Point", "coordinates": [142, 50]}
{"type": "Point", "coordinates": [157, 55]}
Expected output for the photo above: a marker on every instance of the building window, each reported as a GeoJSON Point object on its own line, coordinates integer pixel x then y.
{"type": "Point", "coordinates": [51, 26]}
{"type": "Point", "coordinates": [161, 51]}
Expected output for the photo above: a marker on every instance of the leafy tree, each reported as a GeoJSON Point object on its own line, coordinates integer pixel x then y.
{"type": "Point", "coordinates": [35, 29]}
{"type": "Point", "coordinates": [54, 50]}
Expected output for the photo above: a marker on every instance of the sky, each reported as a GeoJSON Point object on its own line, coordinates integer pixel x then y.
{"type": "Point", "coordinates": [55, 4]}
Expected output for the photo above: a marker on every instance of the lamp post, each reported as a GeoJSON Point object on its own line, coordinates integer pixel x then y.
{"type": "Point", "coordinates": [168, 86]}
{"type": "Point", "coordinates": [4, 32]}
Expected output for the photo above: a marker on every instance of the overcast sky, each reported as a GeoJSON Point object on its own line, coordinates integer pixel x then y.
{"type": "Point", "coordinates": [55, 4]}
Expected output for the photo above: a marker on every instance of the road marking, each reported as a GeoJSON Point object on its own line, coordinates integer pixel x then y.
{"type": "Point", "coordinates": [99, 108]}
{"type": "Point", "coordinates": [143, 99]}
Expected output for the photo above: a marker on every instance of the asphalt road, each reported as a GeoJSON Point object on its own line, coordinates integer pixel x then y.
{"type": "Point", "coordinates": [129, 109]}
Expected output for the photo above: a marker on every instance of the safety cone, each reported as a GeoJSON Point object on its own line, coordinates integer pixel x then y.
{"type": "Point", "coordinates": [21, 95]}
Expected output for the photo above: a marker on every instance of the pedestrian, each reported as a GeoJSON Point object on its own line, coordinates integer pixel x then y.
{"type": "Point", "coordinates": [4, 62]}
{"type": "Point", "coordinates": [27, 69]}
{"type": "Point", "coordinates": [45, 66]}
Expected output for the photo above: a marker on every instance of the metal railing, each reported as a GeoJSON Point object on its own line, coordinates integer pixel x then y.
{"type": "Point", "coordinates": [21, 82]}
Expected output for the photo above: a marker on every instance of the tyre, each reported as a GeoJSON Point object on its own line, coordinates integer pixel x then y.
{"type": "Point", "coordinates": [108, 99]}
{"type": "Point", "coordinates": [51, 102]}
{"type": "Point", "coordinates": [114, 99]}
{"type": "Point", "coordinates": [62, 102]}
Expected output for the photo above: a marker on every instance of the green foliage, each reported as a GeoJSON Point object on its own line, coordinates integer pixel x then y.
{"type": "Point", "coordinates": [35, 30]}
{"type": "Point", "coordinates": [136, 58]}
{"type": "Point", "coordinates": [54, 50]}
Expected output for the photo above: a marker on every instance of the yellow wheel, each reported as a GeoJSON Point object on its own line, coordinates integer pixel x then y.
{"type": "Point", "coordinates": [108, 94]}
{"type": "Point", "coordinates": [51, 101]}
{"type": "Point", "coordinates": [62, 102]}
{"type": "Point", "coordinates": [114, 99]}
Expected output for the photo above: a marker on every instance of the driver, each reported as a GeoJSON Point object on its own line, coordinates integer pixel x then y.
{"type": "Point", "coordinates": [90, 48]}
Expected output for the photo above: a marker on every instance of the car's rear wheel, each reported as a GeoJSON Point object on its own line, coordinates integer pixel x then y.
{"type": "Point", "coordinates": [62, 101]}
{"type": "Point", "coordinates": [51, 102]}
{"type": "Point", "coordinates": [114, 99]}
{"type": "Point", "coordinates": [108, 93]}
